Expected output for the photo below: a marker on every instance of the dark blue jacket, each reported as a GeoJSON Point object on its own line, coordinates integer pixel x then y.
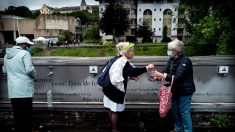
{"type": "Point", "coordinates": [182, 70]}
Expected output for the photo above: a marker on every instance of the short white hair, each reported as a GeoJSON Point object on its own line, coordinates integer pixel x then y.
{"type": "Point", "coordinates": [177, 46]}
{"type": "Point", "coordinates": [123, 47]}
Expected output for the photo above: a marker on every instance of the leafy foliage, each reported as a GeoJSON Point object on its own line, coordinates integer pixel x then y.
{"type": "Point", "coordinates": [82, 15]}
{"type": "Point", "coordinates": [65, 36]}
{"type": "Point", "coordinates": [114, 19]}
{"type": "Point", "coordinates": [145, 32]}
{"type": "Point", "coordinates": [213, 21]}
{"type": "Point", "coordinates": [164, 32]}
{"type": "Point", "coordinates": [36, 51]}
{"type": "Point", "coordinates": [35, 14]}
{"type": "Point", "coordinates": [92, 34]}
{"type": "Point", "coordinates": [221, 121]}
{"type": "Point", "coordinates": [22, 11]}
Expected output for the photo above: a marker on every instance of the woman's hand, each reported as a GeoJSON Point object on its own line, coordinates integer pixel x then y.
{"type": "Point", "coordinates": [149, 67]}
{"type": "Point", "coordinates": [156, 74]}
{"type": "Point", "coordinates": [134, 78]}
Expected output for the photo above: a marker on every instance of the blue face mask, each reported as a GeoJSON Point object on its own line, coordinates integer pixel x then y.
{"type": "Point", "coordinates": [169, 53]}
{"type": "Point", "coordinates": [27, 49]}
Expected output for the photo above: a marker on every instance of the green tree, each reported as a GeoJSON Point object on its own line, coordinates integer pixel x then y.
{"type": "Point", "coordinates": [84, 16]}
{"type": "Point", "coordinates": [213, 21]}
{"type": "Point", "coordinates": [114, 19]}
{"type": "Point", "coordinates": [10, 10]}
{"type": "Point", "coordinates": [164, 32]}
{"type": "Point", "coordinates": [92, 34]}
{"type": "Point", "coordinates": [65, 36]}
{"type": "Point", "coordinates": [35, 14]}
{"type": "Point", "coordinates": [22, 11]}
{"type": "Point", "coordinates": [145, 32]}
{"type": "Point", "coordinates": [94, 16]}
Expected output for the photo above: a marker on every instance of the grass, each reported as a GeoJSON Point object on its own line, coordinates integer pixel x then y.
{"type": "Point", "coordinates": [96, 52]}
{"type": "Point", "coordinates": [83, 52]}
{"type": "Point", "coordinates": [100, 51]}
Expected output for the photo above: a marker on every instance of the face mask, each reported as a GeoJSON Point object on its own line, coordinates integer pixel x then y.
{"type": "Point", "coordinates": [169, 53]}
{"type": "Point", "coordinates": [27, 49]}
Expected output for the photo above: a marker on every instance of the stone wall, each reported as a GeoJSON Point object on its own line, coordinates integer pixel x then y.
{"type": "Point", "coordinates": [148, 121]}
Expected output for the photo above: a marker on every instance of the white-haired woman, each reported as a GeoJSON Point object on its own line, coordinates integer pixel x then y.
{"type": "Point", "coordinates": [114, 94]}
{"type": "Point", "coordinates": [183, 86]}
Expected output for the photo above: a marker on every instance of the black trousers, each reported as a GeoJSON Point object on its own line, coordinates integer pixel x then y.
{"type": "Point", "coordinates": [22, 109]}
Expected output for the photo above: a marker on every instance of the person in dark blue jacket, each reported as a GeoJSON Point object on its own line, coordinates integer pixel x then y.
{"type": "Point", "coordinates": [183, 86]}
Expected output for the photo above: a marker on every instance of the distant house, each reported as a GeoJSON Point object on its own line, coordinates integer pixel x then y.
{"type": "Point", "coordinates": [49, 10]}
{"type": "Point", "coordinates": [46, 9]}
{"type": "Point", "coordinates": [83, 5]}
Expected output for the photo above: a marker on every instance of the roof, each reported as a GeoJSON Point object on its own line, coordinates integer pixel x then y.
{"type": "Point", "coordinates": [83, 3]}
{"type": "Point", "coordinates": [51, 8]}
{"type": "Point", "coordinates": [67, 8]}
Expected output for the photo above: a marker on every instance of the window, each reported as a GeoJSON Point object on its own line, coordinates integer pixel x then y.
{"type": "Point", "coordinates": [167, 12]}
{"type": "Point", "coordinates": [139, 9]}
{"type": "Point", "coordinates": [147, 12]}
{"type": "Point", "coordinates": [154, 19]}
{"type": "Point", "coordinates": [155, 9]}
{"type": "Point", "coordinates": [160, 19]}
{"type": "Point", "coordinates": [133, 31]}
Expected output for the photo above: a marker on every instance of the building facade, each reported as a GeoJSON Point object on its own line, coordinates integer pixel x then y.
{"type": "Point", "coordinates": [51, 25]}
{"type": "Point", "coordinates": [46, 9]}
{"type": "Point", "coordinates": [13, 26]}
{"type": "Point", "coordinates": [157, 14]}
{"type": "Point", "coordinates": [50, 10]}
{"type": "Point", "coordinates": [47, 26]}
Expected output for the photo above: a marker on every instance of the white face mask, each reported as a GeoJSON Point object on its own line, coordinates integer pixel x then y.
{"type": "Point", "coordinates": [169, 53]}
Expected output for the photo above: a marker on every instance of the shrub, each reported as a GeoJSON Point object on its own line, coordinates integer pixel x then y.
{"type": "Point", "coordinates": [166, 40]}
{"type": "Point", "coordinates": [221, 121]}
{"type": "Point", "coordinates": [37, 51]}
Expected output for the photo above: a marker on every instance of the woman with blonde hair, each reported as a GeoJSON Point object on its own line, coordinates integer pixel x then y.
{"type": "Point", "coordinates": [121, 69]}
{"type": "Point", "coordinates": [183, 86]}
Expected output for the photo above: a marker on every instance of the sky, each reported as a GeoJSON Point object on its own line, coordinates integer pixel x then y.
{"type": "Point", "coordinates": [37, 4]}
